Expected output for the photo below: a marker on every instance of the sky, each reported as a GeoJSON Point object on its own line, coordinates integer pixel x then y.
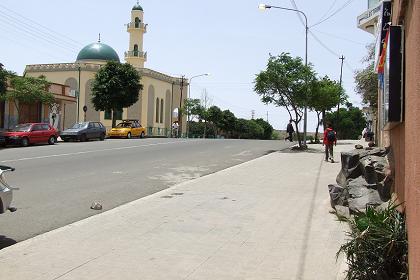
{"type": "Point", "coordinates": [230, 39]}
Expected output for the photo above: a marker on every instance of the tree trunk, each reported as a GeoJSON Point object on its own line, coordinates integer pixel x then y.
{"type": "Point", "coordinates": [317, 127]}
{"type": "Point", "coordinates": [114, 118]}
{"type": "Point", "coordinates": [205, 129]}
{"type": "Point", "coordinates": [323, 119]}
{"type": "Point", "coordinates": [17, 110]}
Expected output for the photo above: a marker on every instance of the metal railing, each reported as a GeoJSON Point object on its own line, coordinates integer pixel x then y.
{"type": "Point", "coordinates": [136, 54]}
{"type": "Point", "coordinates": [139, 25]}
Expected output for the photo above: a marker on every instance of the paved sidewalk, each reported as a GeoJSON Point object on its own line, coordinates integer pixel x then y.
{"type": "Point", "coordinates": [265, 219]}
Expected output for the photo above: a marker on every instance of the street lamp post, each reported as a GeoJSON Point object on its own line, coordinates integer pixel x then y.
{"type": "Point", "coordinates": [189, 96]}
{"type": "Point", "coordinates": [305, 112]}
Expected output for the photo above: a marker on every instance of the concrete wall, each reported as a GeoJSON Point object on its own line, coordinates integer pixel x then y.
{"type": "Point", "coordinates": [405, 137]}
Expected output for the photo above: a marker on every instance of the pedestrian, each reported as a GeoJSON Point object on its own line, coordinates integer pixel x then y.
{"type": "Point", "coordinates": [290, 131]}
{"type": "Point", "coordinates": [175, 128]}
{"type": "Point", "coordinates": [330, 139]}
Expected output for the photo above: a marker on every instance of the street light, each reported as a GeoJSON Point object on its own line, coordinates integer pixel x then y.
{"type": "Point", "coordinates": [189, 96]}
{"type": "Point", "coordinates": [305, 114]}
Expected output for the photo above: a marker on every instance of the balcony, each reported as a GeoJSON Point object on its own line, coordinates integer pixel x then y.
{"type": "Point", "coordinates": [136, 54]}
{"type": "Point", "coordinates": [368, 20]}
{"type": "Point", "coordinates": [138, 25]}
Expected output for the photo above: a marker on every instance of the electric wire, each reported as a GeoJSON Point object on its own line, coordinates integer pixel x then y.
{"type": "Point", "coordinates": [17, 25]}
{"type": "Point", "coordinates": [329, 10]}
{"type": "Point", "coordinates": [51, 32]}
{"type": "Point", "coordinates": [334, 13]}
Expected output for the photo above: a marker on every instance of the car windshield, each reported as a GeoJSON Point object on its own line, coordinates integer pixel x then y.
{"type": "Point", "coordinates": [124, 125]}
{"type": "Point", "coordinates": [21, 127]}
{"type": "Point", "coordinates": [79, 125]}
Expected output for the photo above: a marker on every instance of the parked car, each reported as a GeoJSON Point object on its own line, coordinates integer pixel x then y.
{"type": "Point", "coordinates": [127, 129]}
{"type": "Point", "coordinates": [2, 141]}
{"type": "Point", "coordinates": [83, 131]}
{"type": "Point", "coordinates": [6, 191]}
{"type": "Point", "coordinates": [31, 133]}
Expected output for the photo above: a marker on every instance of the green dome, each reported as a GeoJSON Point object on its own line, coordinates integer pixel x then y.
{"type": "Point", "coordinates": [137, 7]}
{"type": "Point", "coordinates": [98, 51]}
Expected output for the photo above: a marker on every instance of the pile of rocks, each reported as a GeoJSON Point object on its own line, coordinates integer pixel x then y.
{"type": "Point", "coordinates": [365, 179]}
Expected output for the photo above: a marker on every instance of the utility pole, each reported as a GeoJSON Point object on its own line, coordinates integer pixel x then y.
{"type": "Point", "coordinates": [252, 114]}
{"type": "Point", "coordinates": [339, 99]}
{"type": "Point", "coordinates": [180, 108]}
{"type": "Point", "coordinates": [267, 116]}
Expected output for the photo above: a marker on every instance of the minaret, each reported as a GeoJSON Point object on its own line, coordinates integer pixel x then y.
{"type": "Point", "coordinates": [136, 28]}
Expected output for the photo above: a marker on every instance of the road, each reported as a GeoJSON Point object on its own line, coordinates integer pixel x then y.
{"type": "Point", "coordinates": [59, 183]}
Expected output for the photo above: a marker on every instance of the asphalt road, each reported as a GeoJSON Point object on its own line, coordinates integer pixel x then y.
{"type": "Point", "coordinates": [59, 183]}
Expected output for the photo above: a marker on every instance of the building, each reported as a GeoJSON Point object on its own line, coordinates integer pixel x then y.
{"type": "Point", "coordinates": [398, 25]}
{"type": "Point", "coordinates": [159, 100]}
{"type": "Point", "coordinates": [55, 114]}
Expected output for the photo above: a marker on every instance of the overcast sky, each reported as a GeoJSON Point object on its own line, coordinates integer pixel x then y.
{"type": "Point", "coordinates": [230, 39]}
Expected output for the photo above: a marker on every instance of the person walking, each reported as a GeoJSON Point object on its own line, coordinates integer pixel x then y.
{"type": "Point", "coordinates": [330, 139]}
{"type": "Point", "coordinates": [290, 130]}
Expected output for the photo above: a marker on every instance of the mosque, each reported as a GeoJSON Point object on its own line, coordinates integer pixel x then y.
{"type": "Point", "coordinates": [158, 102]}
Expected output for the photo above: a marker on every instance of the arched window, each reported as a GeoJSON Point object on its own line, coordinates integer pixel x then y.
{"type": "Point", "coordinates": [157, 110]}
{"type": "Point", "coordinates": [161, 111]}
{"type": "Point", "coordinates": [137, 22]}
{"type": "Point", "coordinates": [136, 50]}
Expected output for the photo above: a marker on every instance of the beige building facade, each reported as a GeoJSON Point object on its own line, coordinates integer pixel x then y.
{"type": "Point", "coordinates": [159, 101]}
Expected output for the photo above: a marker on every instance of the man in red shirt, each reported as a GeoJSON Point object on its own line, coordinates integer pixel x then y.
{"type": "Point", "coordinates": [330, 139]}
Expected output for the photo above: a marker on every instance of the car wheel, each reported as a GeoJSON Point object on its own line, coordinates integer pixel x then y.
{"type": "Point", "coordinates": [51, 140]}
{"type": "Point", "coordinates": [102, 137]}
{"type": "Point", "coordinates": [25, 142]}
{"type": "Point", "coordinates": [83, 138]}
{"type": "Point", "coordinates": [142, 135]}
{"type": "Point", "coordinates": [129, 135]}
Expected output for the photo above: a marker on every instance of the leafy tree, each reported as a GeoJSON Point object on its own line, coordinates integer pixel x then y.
{"type": "Point", "coordinates": [28, 90]}
{"type": "Point", "coordinates": [228, 122]}
{"type": "Point", "coordinates": [285, 84]}
{"type": "Point", "coordinates": [116, 86]}
{"type": "Point", "coordinates": [3, 80]}
{"type": "Point", "coordinates": [215, 116]}
{"type": "Point", "coordinates": [351, 122]}
{"type": "Point", "coordinates": [324, 95]}
{"type": "Point", "coordinates": [367, 80]}
{"type": "Point", "coordinates": [268, 129]}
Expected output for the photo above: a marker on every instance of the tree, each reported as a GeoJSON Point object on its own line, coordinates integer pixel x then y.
{"type": "Point", "coordinates": [324, 95]}
{"type": "Point", "coordinates": [28, 90]}
{"type": "Point", "coordinates": [3, 80]}
{"type": "Point", "coordinates": [268, 129]}
{"type": "Point", "coordinates": [228, 122]}
{"type": "Point", "coordinates": [116, 86]}
{"type": "Point", "coordinates": [351, 119]}
{"type": "Point", "coordinates": [215, 116]}
{"type": "Point", "coordinates": [367, 80]}
{"type": "Point", "coordinates": [285, 84]}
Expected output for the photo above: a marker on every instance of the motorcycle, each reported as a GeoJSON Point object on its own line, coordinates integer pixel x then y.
{"type": "Point", "coordinates": [6, 191]}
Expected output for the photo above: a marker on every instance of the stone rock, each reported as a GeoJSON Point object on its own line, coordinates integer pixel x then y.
{"type": "Point", "coordinates": [350, 164]}
{"type": "Point", "coordinates": [385, 187]}
{"type": "Point", "coordinates": [343, 211]}
{"type": "Point", "coordinates": [338, 195]}
{"type": "Point", "coordinates": [371, 144]}
{"type": "Point", "coordinates": [360, 195]}
{"type": "Point", "coordinates": [96, 206]}
{"type": "Point", "coordinates": [358, 147]}
{"type": "Point", "coordinates": [341, 179]}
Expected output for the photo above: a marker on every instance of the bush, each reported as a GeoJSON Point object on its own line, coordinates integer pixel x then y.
{"type": "Point", "coordinates": [377, 247]}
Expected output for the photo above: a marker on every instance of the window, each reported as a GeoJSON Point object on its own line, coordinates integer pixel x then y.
{"type": "Point", "coordinates": [45, 127]}
{"type": "Point", "coordinates": [90, 125]}
{"type": "Point", "coordinates": [161, 111]}
{"type": "Point", "coordinates": [137, 22]}
{"type": "Point", "coordinates": [37, 127]}
{"type": "Point", "coordinates": [118, 114]}
{"type": "Point", "coordinates": [136, 50]}
{"type": "Point", "coordinates": [97, 125]}
{"type": "Point", "coordinates": [108, 115]}
{"type": "Point", "coordinates": [157, 110]}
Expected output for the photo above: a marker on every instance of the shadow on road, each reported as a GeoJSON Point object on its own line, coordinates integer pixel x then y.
{"type": "Point", "coordinates": [6, 242]}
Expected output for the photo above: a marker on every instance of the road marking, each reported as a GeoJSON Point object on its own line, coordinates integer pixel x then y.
{"type": "Point", "coordinates": [94, 151]}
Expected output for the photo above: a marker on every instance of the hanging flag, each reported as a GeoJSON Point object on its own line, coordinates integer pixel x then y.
{"type": "Point", "coordinates": [382, 58]}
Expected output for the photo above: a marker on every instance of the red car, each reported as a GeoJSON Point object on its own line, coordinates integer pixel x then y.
{"type": "Point", "coordinates": [31, 133]}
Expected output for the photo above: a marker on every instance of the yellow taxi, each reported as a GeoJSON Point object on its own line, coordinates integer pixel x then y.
{"type": "Point", "coordinates": [127, 129]}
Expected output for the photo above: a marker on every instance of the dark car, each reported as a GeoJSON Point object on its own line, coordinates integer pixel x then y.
{"type": "Point", "coordinates": [31, 133]}
{"type": "Point", "coordinates": [83, 131]}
